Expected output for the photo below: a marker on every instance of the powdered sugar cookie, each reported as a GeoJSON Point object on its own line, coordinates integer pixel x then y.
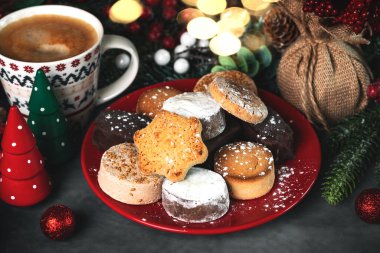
{"type": "Point", "coordinates": [247, 167]}
{"type": "Point", "coordinates": [150, 102]}
{"type": "Point", "coordinates": [232, 76]}
{"type": "Point", "coordinates": [239, 101]}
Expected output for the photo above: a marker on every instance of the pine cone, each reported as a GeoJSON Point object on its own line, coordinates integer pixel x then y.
{"type": "Point", "coordinates": [280, 28]}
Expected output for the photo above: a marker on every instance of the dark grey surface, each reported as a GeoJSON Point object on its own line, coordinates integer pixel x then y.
{"type": "Point", "coordinates": [311, 226]}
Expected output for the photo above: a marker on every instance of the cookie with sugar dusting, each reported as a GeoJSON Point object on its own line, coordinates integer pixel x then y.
{"type": "Point", "coordinates": [170, 146]}
{"type": "Point", "coordinates": [150, 101]}
{"type": "Point", "coordinates": [247, 167]}
{"type": "Point", "coordinates": [232, 76]}
{"type": "Point", "coordinates": [239, 101]}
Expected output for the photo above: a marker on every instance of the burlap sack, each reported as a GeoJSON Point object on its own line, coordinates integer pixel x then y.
{"type": "Point", "coordinates": [322, 73]}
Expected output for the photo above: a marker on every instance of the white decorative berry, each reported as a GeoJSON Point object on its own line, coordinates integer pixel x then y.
{"type": "Point", "coordinates": [181, 66]}
{"type": "Point", "coordinates": [181, 51]}
{"type": "Point", "coordinates": [187, 40]}
{"type": "Point", "coordinates": [162, 57]}
{"type": "Point", "coordinates": [122, 61]}
{"type": "Point", "coordinates": [203, 43]}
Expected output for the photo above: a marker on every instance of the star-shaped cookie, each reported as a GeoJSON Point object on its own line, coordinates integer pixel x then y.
{"type": "Point", "coordinates": [170, 145]}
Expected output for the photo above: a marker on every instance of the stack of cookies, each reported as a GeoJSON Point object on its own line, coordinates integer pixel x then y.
{"type": "Point", "coordinates": [164, 146]}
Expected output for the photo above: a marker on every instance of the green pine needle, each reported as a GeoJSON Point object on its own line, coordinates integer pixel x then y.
{"type": "Point", "coordinates": [352, 126]}
{"type": "Point", "coordinates": [377, 169]}
{"type": "Point", "coordinates": [349, 165]}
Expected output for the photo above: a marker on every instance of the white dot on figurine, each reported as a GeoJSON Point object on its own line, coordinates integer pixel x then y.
{"type": "Point", "coordinates": [1, 179]}
{"type": "Point", "coordinates": [40, 161]}
{"type": "Point", "coordinates": [187, 40]}
{"type": "Point", "coordinates": [48, 88]}
{"type": "Point", "coordinates": [33, 122]}
{"type": "Point", "coordinates": [13, 197]}
{"type": "Point", "coordinates": [9, 170]}
{"type": "Point", "coordinates": [162, 57]}
{"type": "Point", "coordinates": [181, 66]}
{"type": "Point", "coordinates": [35, 88]}
{"type": "Point", "coordinates": [57, 120]}
{"type": "Point", "coordinates": [29, 161]}
{"type": "Point", "coordinates": [13, 144]}
{"type": "Point", "coordinates": [63, 144]}
{"type": "Point", "coordinates": [181, 51]}
{"type": "Point", "coordinates": [42, 109]}
{"type": "Point", "coordinates": [34, 186]}
{"type": "Point", "coordinates": [43, 133]}
{"type": "Point", "coordinates": [122, 61]}
{"type": "Point", "coordinates": [19, 127]}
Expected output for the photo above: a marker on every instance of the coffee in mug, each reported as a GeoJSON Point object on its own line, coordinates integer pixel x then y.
{"type": "Point", "coordinates": [66, 43]}
{"type": "Point", "coordinates": [45, 38]}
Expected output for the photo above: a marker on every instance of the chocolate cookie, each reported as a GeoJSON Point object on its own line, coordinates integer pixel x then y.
{"type": "Point", "coordinates": [115, 126]}
{"type": "Point", "coordinates": [274, 133]}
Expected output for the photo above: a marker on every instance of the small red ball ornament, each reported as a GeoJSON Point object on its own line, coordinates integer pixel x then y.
{"type": "Point", "coordinates": [367, 205]}
{"type": "Point", "coordinates": [58, 222]}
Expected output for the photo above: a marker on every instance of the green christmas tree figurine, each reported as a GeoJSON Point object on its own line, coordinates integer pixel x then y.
{"type": "Point", "coordinates": [48, 123]}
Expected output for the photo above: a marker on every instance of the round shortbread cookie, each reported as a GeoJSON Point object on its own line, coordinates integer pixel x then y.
{"type": "Point", "coordinates": [247, 167]}
{"type": "Point", "coordinates": [239, 101]}
{"type": "Point", "coordinates": [232, 76]}
{"type": "Point", "coordinates": [120, 178]}
{"type": "Point", "coordinates": [150, 102]}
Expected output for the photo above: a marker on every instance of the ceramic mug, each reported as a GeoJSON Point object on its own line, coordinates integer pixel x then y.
{"type": "Point", "coordinates": [75, 79]}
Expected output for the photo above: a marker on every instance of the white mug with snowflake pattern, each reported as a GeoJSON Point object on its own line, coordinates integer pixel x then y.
{"type": "Point", "coordinates": [74, 80]}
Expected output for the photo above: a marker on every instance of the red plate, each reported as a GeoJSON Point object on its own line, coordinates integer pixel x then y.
{"type": "Point", "coordinates": [293, 179]}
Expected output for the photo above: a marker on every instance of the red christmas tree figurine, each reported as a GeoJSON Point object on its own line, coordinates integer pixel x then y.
{"type": "Point", "coordinates": [23, 180]}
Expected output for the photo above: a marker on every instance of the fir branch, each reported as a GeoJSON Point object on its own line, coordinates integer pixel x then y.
{"type": "Point", "coordinates": [353, 126]}
{"type": "Point", "coordinates": [376, 168]}
{"type": "Point", "coordinates": [349, 165]}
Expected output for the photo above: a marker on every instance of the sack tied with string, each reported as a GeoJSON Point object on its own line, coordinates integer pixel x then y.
{"type": "Point", "coordinates": [322, 73]}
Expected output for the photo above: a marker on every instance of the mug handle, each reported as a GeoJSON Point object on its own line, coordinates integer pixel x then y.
{"type": "Point", "coordinates": [113, 89]}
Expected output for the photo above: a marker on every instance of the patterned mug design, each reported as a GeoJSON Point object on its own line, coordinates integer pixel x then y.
{"type": "Point", "coordinates": [74, 80]}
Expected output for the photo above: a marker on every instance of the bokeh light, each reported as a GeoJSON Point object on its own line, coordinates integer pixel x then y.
{"type": "Point", "coordinates": [125, 11]}
{"type": "Point", "coordinates": [212, 7]}
{"type": "Point", "coordinates": [225, 44]}
{"type": "Point", "coordinates": [202, 28]}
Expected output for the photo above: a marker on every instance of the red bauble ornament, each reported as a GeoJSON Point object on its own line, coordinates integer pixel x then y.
{"type": "Point", "coordinates": [58, 222]}
{"type": "Point", "coordinates": [168, 42]}
{"type": "Point", "coordinates": [169, 13]}
{"type": "Point", "coordinates": [367, 205]}
{"type": "Point", "coordinates": [152, 2]}
{"type": "Point", "coordinates": [373, 91]}
{"type": "Point", "coordinates": [169, 3]}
